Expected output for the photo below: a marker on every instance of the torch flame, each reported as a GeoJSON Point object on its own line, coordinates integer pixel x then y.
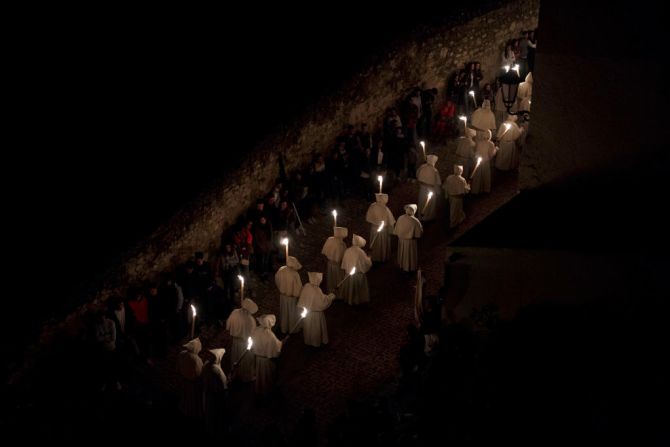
{"type": "Point", "coordinates": [423, 144]}
{"type": "Point", "coordinates": [381, 225]}
{"type": "Point", "coordinates": [508, 126]}
{"type": "Point", "coordinates": [284, 241]}
{"type": "Point", "coordinates": [193, 310]}
{"type": "Point", "coordinates": [479, 160]}
{"type": "Point", "coordinates": [241, 278]}
{"type": "Point", "coordinates": [250, 343]}
{"type": "Point", "coordinates": [353, 270]}
{"type": "Point", "coordinates": [472, 93]}
{"type": "Point", "coordinates": [430, 194]}
{"type": "Point", "coordinates": [463, 118]}
{"type": "Point", "coordinates": [303, 314]}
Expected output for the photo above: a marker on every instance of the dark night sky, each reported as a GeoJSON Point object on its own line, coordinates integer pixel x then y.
{"type": "Point", "coordinates": [126, 115]}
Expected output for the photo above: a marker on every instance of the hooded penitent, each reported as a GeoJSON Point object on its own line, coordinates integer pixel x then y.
{"type": "Point", "coordinates": [266, 343]}
{"type": "Point", "coordinates": [315, 301]}
{"type": "Point", "coordinates": [189, 364]}
{"type": "Point", "coordinates": [483, 118]}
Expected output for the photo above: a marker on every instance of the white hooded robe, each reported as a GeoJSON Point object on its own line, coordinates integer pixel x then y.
{"type": "Point", "coordinates": [455, 187]}
{"type": "Point", "coordinates": [315, 301]}
{"type": "Point", "coordinates": [481, 180]}
{"type": "Point", "coordinates": [289, 284]}
{"type": "Point", "coordinates": [189, 367]}
{"type": "Point", "coordinates": [508, 155]}
{"type": "Point", "coordinates": [333, 250]}
{"type": "Point", "coordinates": [241, 324]}
{"type": "Point", "coordinates": [377, 213]}
{"type": "Point", "coordinates": [354, 289]}
{"type": "Point", "coordinates": [408, 229]}
{"type": "Point", "coordinates": [266, 347]}
{"type": "Point", "coordinates": [430, 181]}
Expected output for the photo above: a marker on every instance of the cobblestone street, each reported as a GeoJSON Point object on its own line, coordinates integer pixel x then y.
{"type": "Point", "coordinates": [364, 342]}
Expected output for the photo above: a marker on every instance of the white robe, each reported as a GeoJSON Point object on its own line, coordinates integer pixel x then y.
{"type": "Point", "coordinates": [378, 213]}
{"type": "Point", "coordinates": [215, 384]}
{"type": "Point", "coordinates": [266, 347]}
{"type": "Point", "coordinates": [189, 367]}
{"type": "Point", "coordinates": [455, 187]}
{"type": "Point", "coordinates": [508, 156]}
{"type": "Point", "coordinates": [429, 179]}
{"type": "Point", "coordinates": [481, 181]}
{"type": "Point", "coordinates": [315, 301]}
{"type": "Point", "coordinates": [354, 290]}
{"type": "Point", "coordinates": [333, 249]}
{"type": "Point", "coordinates": [484, 119]}
{"type": "Point", "coordinates": [289, 284]}
{"type": "Point", "coordinates": [465, 154]}
{"type": "Point", "coordinates": [241, 325]}
{"type": "Point", "coordinates": [408, 229]}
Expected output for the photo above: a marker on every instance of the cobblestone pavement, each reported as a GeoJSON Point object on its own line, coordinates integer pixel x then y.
{"type": "Point", "coordinates": [364, 342]}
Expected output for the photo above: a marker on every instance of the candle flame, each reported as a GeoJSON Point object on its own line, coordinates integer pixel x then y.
{"type": "Point", "coordinates": [353, 270]}
{"type": "Point", "coordinates": [506, 67]}
{"type": "Point", "coordinates": [334, 213]}
{"type": "Point", "coordinates": [379, 178]}
{"type": "Point", "coordinates": [250, 343]}
{"type": "Point", "coordinates": [472, 93]}
{"type": "Point", "coordinates": [381, 225]}
{"type": "Point", "coordinates": [508, 126]}
{"type": "Point", "coordinates": [516, 68]}
{"type": "Point", "coordinates": [303, 314]}
{"type": "Point", "coordinates": [193, 310]}
{"type": "Point", "coordinates": [479, 159]}
{"type": "Point", "coordinates": [423, 144]}
{"type": "Point", "coordinates": [241, 278]}
{"type": "Point", "coordinates": [430, 194]}
{"type": "Point", "coordinates": [284, 241]}
{"type": "Point", "coordinates": [463, 118]}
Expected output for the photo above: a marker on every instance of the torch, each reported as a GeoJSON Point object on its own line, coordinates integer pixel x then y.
{"type": "Point", "coordinates": [430, 196]}
{"type": "Point", "coordinates": [465, 121]}
{"type": "Point", "coordinates": [353, 270]}
{"type": "Point", "coordinates": [250, 343]}
{"type": "Point", "coordinates": [479, 161]}
{"type": "Point", "coordinates": [303, 314]}
{"type": "Point", "coordinates": [381, 227]}
{"type": "Point", "coordinates": [284, 242]}
{"type": "Point", "coordinates": [193, 321]}
{"type": "Point", "coordinates": [472, 93]}
{"type": "Point", "coordinates": [241, 278]}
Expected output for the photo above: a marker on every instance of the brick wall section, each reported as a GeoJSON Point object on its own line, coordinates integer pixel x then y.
{"type": "Point", "coordinates": [429, 60]}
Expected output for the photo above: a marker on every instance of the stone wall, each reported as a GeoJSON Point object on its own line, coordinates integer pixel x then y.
{"type": "Point", "coordinates": [428, 60]}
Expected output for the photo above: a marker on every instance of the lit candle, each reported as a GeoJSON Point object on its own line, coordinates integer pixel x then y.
{"type": "Point", "coordinates": [430, 195]}
{"type": "Point", "coordinates": [284, 242]}
{"type": "Point", "coordinates": [353, 270]}
{"type": "Point", "coordinates": [334, 218]}
{"type": "Point", "coordinates": [250, 343]}
{"type": "Point", "coordinates": [423, 146]}
{"type": "Point", "coordinates": [508, 126]}
{"type": "Point", "coordinates": [193, 321]}
{"type": "Point", "coordinates": [303, 314]}
{"type": "Point", "coordinates": [381, 227]}
{"type": "Point", "coordinates": [465, 121]}
{"type": "Point", "coordinates": [516, 68]}
{"type": "Point", "coordinates": [380, 179]}
{"type": "Point", "coordinates": [241, 278]}
{"type": "Point", "coordinates": [506, 67]}
{"type": "Point", "coordinates": [472, 93]}
{"type": "Point", "coordinates": [479, 161]}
